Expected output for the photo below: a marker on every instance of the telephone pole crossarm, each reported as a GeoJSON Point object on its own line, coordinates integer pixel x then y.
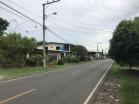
{"type": "Point", "coordinates": [54, 1]}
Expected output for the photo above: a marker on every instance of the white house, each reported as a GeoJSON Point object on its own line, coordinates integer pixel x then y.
{"type": "Point", "coordinates": [55, 50]}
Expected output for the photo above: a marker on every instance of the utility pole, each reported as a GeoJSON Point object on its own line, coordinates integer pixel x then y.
{"type": "Point", "coordinates": [98, 55]}
{"type": "Point", "coordinates": [44, 29]}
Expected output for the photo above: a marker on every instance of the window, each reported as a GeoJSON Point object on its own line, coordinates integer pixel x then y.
{"type": "Point", "coordinates": [46, 48]}
{"type": "Point", "coordinates": [57, 48]}
{"type": "Point", "coordinates": [67, 47]}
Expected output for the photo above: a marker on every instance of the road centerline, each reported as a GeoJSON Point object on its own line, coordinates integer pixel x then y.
{"type": "Point", "coordinates": [16, 96]}
{"type": "Point", "coordinates": [75, 73]}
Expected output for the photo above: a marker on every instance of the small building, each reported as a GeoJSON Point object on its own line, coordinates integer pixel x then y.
{"type": "Point", "coordinates": [91, 55]}
{"type": "Point", "coordinates": [94, 55]}
{"type": "Point", "coordinates": [55, 50]}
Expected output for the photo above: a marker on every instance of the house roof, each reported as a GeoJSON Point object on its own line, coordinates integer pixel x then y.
{"type": "Point", "coordinates": [40, 43]}
{"type": "Point", "coordinates": [59, 43]}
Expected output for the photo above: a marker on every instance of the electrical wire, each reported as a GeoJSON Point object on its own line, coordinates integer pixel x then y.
{"type": "Point", "coordinates": [54, 33]}
{"type": "Point", "coordinates": [23, 8]}
{"type": "Point", "coordinates": [21, 13]}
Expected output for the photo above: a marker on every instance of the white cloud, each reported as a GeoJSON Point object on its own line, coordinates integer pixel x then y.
{"type": "Point", "coordinates": [82, 21]}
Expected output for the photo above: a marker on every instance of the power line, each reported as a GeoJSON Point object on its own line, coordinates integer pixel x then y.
{"type": "Point", "coordinates": [67, 31]}
{"type": "Point", "coordinates": [35, 22]}
{"type": "Point", "coordinates": [31, 18]}
{"type": "Point", "coordinates": [54, 33]}
{"type": "Point", "coordinates": [63, 39]}
{"type": "Point", "coordinates": [20, 13]}
{"type": "Point", "coordinates": [79, 23]}
{"type": "Point", "coordinates": [81, 26]}
{"type": "Point", "coordinates": [74, 38]}
{"type": "Point", "coordinates": [12, 12]}
{"type": "Point", "coordinates": [78, 31]}
{"type": "Point", "coordinates": [26, 10]}
{"type": "Point", "coordinates": [23, 8]}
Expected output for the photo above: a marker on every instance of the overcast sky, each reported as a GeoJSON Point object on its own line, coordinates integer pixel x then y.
{"type": "Point", "coordinates": [84, 22]}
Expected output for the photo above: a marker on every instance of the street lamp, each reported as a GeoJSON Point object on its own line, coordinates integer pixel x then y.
{"type": "Point", "coordinates": [55, 13]}
{"type": "Point", "coordinates": [44, 29]}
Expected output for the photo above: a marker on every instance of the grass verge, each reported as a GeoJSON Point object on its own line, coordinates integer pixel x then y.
{"type": "Point", "coordinates": [129, 91]}
{"type": "Point", "coordinates": [19, 72]}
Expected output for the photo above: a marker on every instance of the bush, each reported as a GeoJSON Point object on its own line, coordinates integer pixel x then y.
{"type": "Point", "coordinates": [71, 59]}
{"type": "Point", "coordinates": [67, 59]}
{"type": "Point", "coordinates": [60, 62]}
{"type": "Point", "coordinates": [83, 58]}
{"type": "Point", "coordinates": [8, 63]}
{"type": "Point", "coordinates": [74, 60]}
{"type": "Point", "coordinates": [30, 62]}
{"type": "Point", "coordinates": [34, 60]}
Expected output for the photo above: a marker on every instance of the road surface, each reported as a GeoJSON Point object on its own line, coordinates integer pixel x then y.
{"type": "Point", "coordinates": [65, 86]}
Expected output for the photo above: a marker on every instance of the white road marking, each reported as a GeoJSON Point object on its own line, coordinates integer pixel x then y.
{"type": "Point", "coordinates": [93, 91]}
{"type": "Point", "coordinates": [16, 96]}
{"type": "Point", "coordinates": [75, 73]}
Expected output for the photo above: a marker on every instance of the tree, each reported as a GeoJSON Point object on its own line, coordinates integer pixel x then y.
{"type": "Point", "coordinates": [136, 24]}
{"type": "Point", "coordinates": [3, 26]}
{"type": "Point", "coordinates": [80, 52]}
{"type": "Point", "coordinates": [14, 49]}
{"type": "Point", "coordinates": [124, 45]}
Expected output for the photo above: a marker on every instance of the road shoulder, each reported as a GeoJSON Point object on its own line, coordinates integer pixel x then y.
{"type": "Point", "coordinates": [109, 91]}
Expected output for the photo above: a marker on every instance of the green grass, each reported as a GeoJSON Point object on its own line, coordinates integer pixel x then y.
{"type": "Point", "coordinates": [19, 72]}
{"type": "Point", "coordinates": [129, 92]}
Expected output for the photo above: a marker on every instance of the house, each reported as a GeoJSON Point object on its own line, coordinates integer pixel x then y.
{"type": "Point", "coordinates": [55, 50]}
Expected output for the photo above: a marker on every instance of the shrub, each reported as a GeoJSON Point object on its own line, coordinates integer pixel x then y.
{"type": "Point", "coordinates": [8, 63]}
{"type": "Point", "coordinates": [60, 62]}
{"type": "Point", "coordinates": [83, 58]}
{"type": "Point", "coordinates": [67, 59]}
{"type": "Point", "coordinates": [34, 60]}
{"type": "Point", "coordinates": [74, 60]}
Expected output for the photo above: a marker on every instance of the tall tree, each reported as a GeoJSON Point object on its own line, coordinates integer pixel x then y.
{"type": "Point", "coordinates": [124, 45]}
{"type": "Point", "coordinates": [3, 25]}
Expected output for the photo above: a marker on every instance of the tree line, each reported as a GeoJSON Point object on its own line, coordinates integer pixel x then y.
{"type": "Point", "coordinates": [124, 45]}
{"type": "Point", "coordinates": [14, 49]}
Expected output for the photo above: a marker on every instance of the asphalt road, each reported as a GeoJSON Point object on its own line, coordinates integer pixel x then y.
{"type": "Point", "coordinates": [65, 86]}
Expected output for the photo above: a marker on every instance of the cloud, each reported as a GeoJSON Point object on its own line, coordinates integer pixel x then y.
{"type": "Point", "coordinates": [84, 22]}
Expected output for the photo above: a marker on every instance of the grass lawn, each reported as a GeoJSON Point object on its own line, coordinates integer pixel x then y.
{"type": "Point", "coordinates": [18, 72]}
{"type": "Point", "coordinates": [129, 92]}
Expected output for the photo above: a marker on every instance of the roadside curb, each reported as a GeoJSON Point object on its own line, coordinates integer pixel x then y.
{"type": "Point", "coordinates": [92, 96]}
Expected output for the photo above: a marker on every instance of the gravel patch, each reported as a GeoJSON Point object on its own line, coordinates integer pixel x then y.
{"type": "Point", "coordinates": [109, 92]}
